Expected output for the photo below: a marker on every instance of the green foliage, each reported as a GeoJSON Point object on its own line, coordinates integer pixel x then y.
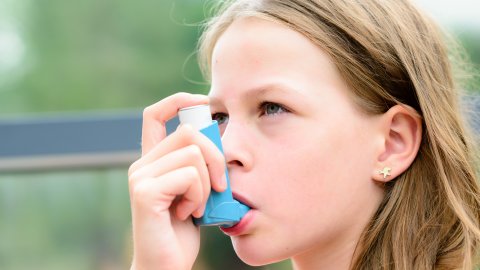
{"type": "Point", "coordinates": [103, 54]}
{"type": "Point", "coordinates": [64, 220]}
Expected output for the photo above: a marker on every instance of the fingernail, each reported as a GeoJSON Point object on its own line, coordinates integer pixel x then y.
{"type": "Point", "coordinates": [223, 182]}
{"type": "Point", "coordinates": [199, 212]}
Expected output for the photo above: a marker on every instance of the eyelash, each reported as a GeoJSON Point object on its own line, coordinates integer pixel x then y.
{"type": "Point", "coordinates": [261, 108]}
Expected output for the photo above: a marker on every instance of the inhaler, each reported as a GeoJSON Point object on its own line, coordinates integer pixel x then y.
{"type": "Point", "coordinates": [221, 209]}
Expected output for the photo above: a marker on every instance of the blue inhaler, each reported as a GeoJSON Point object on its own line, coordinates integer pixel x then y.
{"type": "Point", "coordinates": [221, 209]}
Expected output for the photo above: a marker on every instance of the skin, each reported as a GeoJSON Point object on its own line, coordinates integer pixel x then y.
{"type": "Point", "coordinates": [296, 147]}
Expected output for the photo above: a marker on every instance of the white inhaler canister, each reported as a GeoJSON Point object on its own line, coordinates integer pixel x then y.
{"type": "Point", "coordinates": [221, 208]}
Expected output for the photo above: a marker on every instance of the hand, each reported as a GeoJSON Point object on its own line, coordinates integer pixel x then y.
{"type": "Point", "coordinates": [168, 184]}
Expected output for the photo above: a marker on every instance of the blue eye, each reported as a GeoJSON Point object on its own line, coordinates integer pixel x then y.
{"type": "Point", "coordinates": [270, 108]}
{"type": "Point", "coordinates": [221, 118]}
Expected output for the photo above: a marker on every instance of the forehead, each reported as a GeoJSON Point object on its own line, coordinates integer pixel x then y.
{"type": "Point", "coordinates": [255, 51]}
{"type": "Point", "coordinates": [257, 35]}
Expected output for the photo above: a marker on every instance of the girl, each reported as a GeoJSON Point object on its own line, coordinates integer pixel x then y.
{"type": "Point", "coordinates": [341, 131]}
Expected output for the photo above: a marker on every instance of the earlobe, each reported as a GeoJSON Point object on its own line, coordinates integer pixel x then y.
{"type": "Point", "coordinates": [401, 130]}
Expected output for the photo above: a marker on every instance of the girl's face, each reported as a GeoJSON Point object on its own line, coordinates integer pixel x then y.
{"type": "Point", "coordinates": [298, 151]}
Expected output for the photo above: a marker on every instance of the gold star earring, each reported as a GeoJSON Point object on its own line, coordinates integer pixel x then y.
{"type": "Point", "coordinates": [385, 172]}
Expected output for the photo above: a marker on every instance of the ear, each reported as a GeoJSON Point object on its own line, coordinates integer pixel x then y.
{"type": "Point", "coordinates": [401, 134]}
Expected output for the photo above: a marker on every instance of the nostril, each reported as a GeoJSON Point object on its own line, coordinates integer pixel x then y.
{"type": "Point", "coordinates": [235, 163]}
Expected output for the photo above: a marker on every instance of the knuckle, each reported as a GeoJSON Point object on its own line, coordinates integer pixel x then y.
{"type": "Point", "coordinates": [187, 128]}
{"type": "Point", "coordinates": [132, 168]}
{"type": "Point", "coordinates": [139, 190]}
{"type": "Point", "coordinates": [186, 132]}
{"type": "Point", "coordinates": [133, 178]}
{"type": "Point", "coordinates": [194, 151]}
{"type": "Point", "coordinates": [182, 94]}
{"type": "Point", "coordinates": [141, 196]}
{"type": "Point", "coordinates": [148, 111]}
{"type": "Point", "coordinates": [192, 173]}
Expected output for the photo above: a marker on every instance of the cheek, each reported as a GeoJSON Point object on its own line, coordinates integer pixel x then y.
{"type": "Point", "coordinates": [317, 172]}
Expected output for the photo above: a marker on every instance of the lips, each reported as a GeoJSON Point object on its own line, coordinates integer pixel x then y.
{"type": "Point", "coordinates": [242, 199]}
{"type": "Point", "coordinates": [242, 226]}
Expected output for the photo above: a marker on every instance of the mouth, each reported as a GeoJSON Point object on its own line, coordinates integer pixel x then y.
{"type": "Point", "coordinates": [242, 199]}
{"type": "Point", "coordinates": [243, 226]}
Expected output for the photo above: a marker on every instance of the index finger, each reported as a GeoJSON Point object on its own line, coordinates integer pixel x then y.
{"type": "Point", "coordinates": [155, 116]}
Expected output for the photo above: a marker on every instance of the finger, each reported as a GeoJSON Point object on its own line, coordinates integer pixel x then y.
{"type": "Point", "coordinates": [156, 195]}
{"type": "Point", "coordinates": [183, 137]}
{"type": "Point", "coordinates": [185, 182]}
{"type": "Point", "coordinates": [156, 115]}
{"type": "Point", "coordinates": [187, 156]}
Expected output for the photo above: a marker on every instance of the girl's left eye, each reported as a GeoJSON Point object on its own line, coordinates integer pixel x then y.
{"type": "Point", "coordinates": [271, 108]}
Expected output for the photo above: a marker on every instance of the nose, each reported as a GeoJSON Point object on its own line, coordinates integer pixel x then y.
{"type": "Point", "coordinates": [236, 146]}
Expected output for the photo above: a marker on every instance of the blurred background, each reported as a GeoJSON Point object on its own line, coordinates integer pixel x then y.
{"type": "Point", "coordinates": [113, 57]}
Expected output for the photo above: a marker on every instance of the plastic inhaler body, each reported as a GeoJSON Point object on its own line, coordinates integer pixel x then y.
{"type": "Point", "coordinates": [221, 209]}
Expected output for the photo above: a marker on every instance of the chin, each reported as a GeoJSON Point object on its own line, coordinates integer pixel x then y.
{"type": "Point", "coordinates": [254, 253]}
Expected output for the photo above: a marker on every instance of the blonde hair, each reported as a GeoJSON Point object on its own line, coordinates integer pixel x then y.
{"type": "Point", "coordinates": [390, 53]}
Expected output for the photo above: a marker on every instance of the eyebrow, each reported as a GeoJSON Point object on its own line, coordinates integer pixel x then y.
{"type": "Point", "coordinates": [260, 91]}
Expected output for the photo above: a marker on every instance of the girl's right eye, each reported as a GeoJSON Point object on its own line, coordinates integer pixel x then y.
{"type": "Point", "coordinates": [221, 118]}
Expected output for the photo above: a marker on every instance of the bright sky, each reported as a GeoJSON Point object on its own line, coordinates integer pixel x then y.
{"type": "Point", "coordinates": [453, 12]}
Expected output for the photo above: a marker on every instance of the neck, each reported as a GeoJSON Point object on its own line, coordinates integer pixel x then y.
{"type": "Point", "coordinates": [339, 252]}
{"type": "Point", "coordinates": [338, 258]}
